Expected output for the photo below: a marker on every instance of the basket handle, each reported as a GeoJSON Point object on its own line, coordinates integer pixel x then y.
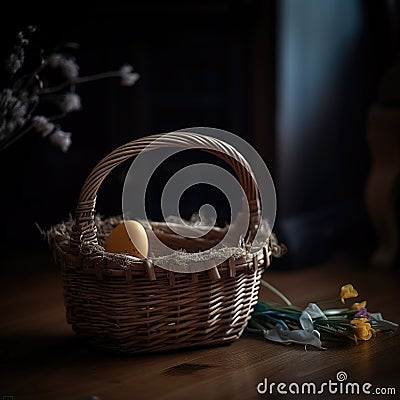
{"type": "Point", "coordinates": [84, 229]}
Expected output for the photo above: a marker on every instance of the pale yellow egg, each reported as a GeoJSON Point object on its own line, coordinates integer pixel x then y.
{"type": "Point", "coordinates": [128, 237]}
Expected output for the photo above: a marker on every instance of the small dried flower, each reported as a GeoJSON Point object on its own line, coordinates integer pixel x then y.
{"type": "Point", "coordinates": [42, 125]}
{"type": "Point", "coordinates": [71, 102]}
{"type": "Point", "coordinates": [16, 59]}
{"type": "Point", "coordinates": [358, 306]}
{"type": "Point", "coordinates": [68, 66]}
{"type": "Point", "coordinates": [15, 62]}
{"type": "Point", "coordinates": [362, 329]}
{"type": "Point", "coordinates": [61, 139]}
{"type": "Point", "coordinates": [362, 313]}
{"type": "Point", "coordinates": [128, 77]}
{"type": "Point", "coordinates": [5, 97]}
{"type": "Point", "coordinates": [70, 69]}
{"type": "Point", "coordinates": [347, 292]}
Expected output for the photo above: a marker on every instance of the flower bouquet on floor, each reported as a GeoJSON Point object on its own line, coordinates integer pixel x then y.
{"type": "Point", "coordinates": [288, 323]}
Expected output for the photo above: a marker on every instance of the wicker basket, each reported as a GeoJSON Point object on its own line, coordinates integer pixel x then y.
{"type": "Point", "coordinates": [120, 303]}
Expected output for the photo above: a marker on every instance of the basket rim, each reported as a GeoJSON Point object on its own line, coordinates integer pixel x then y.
{"type": "Point", "coordinates": [103, 263]}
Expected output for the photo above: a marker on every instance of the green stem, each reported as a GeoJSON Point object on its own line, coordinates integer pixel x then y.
{"type": "Point", "coordinates": [276, 291]}
{"type": "Point", "coordinates": [328, 301]}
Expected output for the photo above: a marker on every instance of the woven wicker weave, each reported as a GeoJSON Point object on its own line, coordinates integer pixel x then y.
{"type": "Point", "coordinates": [120, 303]}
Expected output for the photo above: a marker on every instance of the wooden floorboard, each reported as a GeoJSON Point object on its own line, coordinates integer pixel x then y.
{"type": "Point", "coordinates": [41, 358]}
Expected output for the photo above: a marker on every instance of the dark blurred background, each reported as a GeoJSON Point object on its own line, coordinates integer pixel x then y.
{"type": "Point", "coordinates": [296, 79]}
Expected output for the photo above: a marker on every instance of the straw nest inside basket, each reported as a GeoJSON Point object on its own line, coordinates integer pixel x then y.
{"type": "Point", "coordinates": [185, 251]}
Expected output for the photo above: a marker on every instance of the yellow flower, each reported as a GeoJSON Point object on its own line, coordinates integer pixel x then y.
{"type": "Point", "coordinates": [362, 329]}
{"type": "Point", "coordinates": [358, 306]}
{"type": "Point", "coordinates": [358, 321]}
{"type": "Point", "coordinates": [347, 292]}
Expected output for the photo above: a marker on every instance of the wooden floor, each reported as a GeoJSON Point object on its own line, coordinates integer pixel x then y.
{"type": "Point", "coordinates": [41, 358]}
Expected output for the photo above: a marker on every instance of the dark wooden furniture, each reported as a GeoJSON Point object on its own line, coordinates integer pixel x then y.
{"type": "Point", "coordinates": [383, 186]}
